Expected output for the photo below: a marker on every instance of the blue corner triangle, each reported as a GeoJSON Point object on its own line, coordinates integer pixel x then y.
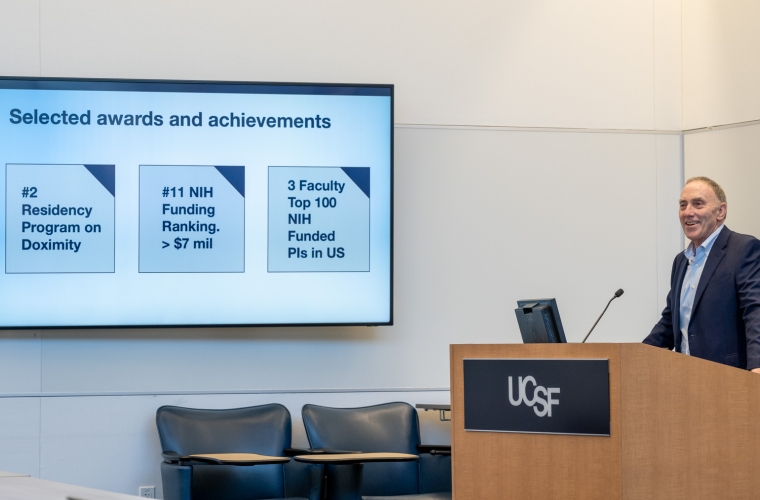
{"type": "Point", "coordinates": [360, 176]}
{"type": "Point", "coordinates": [106, 175]}
{"type": "Point", "coordinates": [235, 176]}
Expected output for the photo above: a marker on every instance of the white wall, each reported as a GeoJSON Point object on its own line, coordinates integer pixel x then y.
{"type": "Point", "coordinates": [534, 156]}
{"type": "Point", "coordinates": [546, 63]}
{"type": "Point", "coordinates": [730, 156]}
{"type": "Point", "coordinates": [721, 67]}
{"type": "Point", "coordinates": [720, 62]}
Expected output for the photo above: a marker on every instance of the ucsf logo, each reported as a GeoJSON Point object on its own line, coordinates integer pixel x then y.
{"type": "Point", "coordinates": [545, 402]}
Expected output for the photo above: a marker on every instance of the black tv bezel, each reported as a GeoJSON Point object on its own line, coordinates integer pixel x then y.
{"type": "Point", "coordinates": [143, 85]}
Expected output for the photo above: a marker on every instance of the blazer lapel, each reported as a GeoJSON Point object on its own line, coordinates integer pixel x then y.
{"type": "Point", "coordinates": [717, 253]}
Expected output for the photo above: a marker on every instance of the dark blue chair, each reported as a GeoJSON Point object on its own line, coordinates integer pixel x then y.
{"type": "Point", "coordinates": [265, 430]}
{"type": "Point", "coordinates": [391, 427]}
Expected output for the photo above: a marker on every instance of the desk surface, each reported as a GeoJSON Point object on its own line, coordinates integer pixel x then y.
{"type": "Point", "coordinates": [355, 458]}
{"type": "Point", "coordinates": [12, 474]}
{"type": "Point", "coordinates": [238, 458]}
{"type": "Point", "coordinates": [24, 488]}
{"type": "Point", "coordinates": [430, 406]}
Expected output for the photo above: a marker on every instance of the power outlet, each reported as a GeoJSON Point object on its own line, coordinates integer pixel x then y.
{"type": "Point", "coordinates": [147, 491]}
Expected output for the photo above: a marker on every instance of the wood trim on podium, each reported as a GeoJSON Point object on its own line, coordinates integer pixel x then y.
{"type": "Point", "coordinates": [681, 429]}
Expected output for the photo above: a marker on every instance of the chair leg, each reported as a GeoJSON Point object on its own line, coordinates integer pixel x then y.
{"type": "Point", "coordinates": [344, 482]}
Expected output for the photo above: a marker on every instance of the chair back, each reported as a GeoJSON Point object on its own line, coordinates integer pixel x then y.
{"type": "Point", "coordinates": [390, 427]}
{"type": "Point", "coordinates": [265, 430]}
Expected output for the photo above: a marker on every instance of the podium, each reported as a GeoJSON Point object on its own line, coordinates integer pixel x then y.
{"type": "Point", "coordinates": [680, 428]}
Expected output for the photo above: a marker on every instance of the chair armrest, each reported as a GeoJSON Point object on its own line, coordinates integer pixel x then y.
{"type": "Point", "coordinates": [171, 457]}
{"type": "Point", "coordinates": [434, 449]}
{"type": "Point", "coordinates": [292, 452]}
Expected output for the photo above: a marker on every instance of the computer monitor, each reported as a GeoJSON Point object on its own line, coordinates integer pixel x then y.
{"type": "Point", "coordinates": [539, 321]}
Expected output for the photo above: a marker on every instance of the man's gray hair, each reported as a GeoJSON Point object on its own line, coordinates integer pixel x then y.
{"type": "Point", "coordinates": [714, 185]}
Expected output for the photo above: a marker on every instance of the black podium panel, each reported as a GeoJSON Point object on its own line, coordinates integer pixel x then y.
{"type": "Point", "coordinates": [548, 396]}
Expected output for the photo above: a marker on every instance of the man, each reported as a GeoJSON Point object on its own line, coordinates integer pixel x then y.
{"type": "Point", "coordinates": [713, 308]}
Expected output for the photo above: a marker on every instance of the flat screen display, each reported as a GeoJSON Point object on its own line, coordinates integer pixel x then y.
{"type": "Point", "coordinates": [174, 203]}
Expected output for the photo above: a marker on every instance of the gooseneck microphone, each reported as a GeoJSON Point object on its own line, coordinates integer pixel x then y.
{"type": "Point", "coordinates": [617, 294]}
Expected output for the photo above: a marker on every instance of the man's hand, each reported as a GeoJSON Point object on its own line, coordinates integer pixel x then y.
{"type": "Point", "coordinates": [756, 370]}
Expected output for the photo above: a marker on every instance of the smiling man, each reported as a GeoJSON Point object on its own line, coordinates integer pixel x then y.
{"type": "Point", "coordinates": [713, 308]}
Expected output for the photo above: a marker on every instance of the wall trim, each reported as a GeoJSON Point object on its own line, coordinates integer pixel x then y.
{"type": "Point", "coordinates": [216, 393]}
{"type": "Point", "coordinates": [721, 127]}
{"type": "Point", "coordinates": [537, 129]}
{"type": "Point", "coordinates": [577, 130]}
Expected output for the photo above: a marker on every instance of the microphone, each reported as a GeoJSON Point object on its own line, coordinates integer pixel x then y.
{"type": "Point", "coordinates": [617, 294]}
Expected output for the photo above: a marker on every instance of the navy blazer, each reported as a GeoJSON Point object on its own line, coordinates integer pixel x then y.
{"type": "Point", "coordinates": [725, 318]}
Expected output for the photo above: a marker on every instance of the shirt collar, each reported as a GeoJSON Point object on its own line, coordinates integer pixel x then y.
{"type": "Point", "coordinates": [690, 252]}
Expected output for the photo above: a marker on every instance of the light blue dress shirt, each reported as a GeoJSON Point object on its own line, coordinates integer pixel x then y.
{"type": "Point", "coordinates": [697, 261]}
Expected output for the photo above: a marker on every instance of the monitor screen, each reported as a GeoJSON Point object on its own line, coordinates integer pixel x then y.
{"type": "Point", "coordinates": [539, 321]}
{"type": "Point", "coordinates": [176, 203]}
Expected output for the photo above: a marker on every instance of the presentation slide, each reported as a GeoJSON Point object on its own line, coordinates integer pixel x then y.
{"type": "Point", "coordinates": [160, 203]}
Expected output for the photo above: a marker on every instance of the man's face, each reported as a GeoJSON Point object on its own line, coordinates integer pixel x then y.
{"type": "Point", "coordinates": [700, 211]}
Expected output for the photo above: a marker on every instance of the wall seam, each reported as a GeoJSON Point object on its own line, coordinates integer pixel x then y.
{"type": "Point", "coordinates": [683, 178]}
{"type": "Point", "coordinates": [656, 171]}
{"type": "Point", "coordinates": [39, 439]}
{"type": "Point", "coordinates": [219, 393]}
{"type": "Point", "coordinates": [748, 123]}
{"type": "Point", "coordinates": [498, 128]}
{"type": "Point", "coordinates": [683, 103]}
{"type": "Point", "coordinates": [535, 129]}
{"type": "Point", "coordinates": [657, 219]}
{"type": "Point", "coordinates": [654, 66]}
{"type": "Point", "coordinates": [39, 434]}
{"type": "Point", "coordinates": [39, 35]}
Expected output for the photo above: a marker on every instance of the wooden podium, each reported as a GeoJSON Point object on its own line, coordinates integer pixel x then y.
{"type": "Point", "coordinates": [681, 428]}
